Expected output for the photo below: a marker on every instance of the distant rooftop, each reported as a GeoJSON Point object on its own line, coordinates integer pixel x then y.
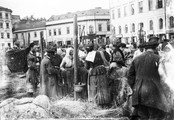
{"type": "Point", "coordinates": [91, 12]}
{"type": "Point", "coordinates": [29, 25]}
{"type": "Point", "coordinates": [5, 9]}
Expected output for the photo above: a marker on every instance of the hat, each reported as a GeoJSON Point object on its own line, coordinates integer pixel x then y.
{"type": "Point", "coordinates": [50, 50]}
{"type": "Point", "coordinates": [141, 45]}
{"type": "Point", "coordinates": [153, 42]}
{"type": "Point", "coordinates": [123, 45]}
{"type": "Point", "coordinates": [166, 40]}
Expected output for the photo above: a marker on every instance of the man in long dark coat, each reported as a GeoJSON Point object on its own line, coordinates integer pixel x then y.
{"type": "Point", "coordinates": [148, 96]}
{"type": "Point", "coordinates": [48, 76]}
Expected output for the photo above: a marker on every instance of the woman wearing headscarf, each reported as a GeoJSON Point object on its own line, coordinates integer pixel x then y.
{"type": "Point", "coordinates": [98, 91]}
{"type": "Point", "coordinates": [67, 70]}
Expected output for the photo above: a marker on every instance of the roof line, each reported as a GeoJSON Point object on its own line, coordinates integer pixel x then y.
{"type": "Point", "coordinates": [23, 30]}
{"type": "Point", "coordinates": [77, 21]}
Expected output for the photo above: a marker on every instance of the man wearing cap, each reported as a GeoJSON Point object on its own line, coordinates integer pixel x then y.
{"type": "Point", "coordinates": [148, 96]}
{"type": "Point", "coordinates": [48, 75]}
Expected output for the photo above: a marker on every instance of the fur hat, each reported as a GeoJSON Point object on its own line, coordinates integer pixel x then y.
{"type": "Point", "coordinates": [153, 42]}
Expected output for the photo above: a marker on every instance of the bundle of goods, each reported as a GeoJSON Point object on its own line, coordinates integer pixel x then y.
{"type": "Point", "coordinates": [17, 59]}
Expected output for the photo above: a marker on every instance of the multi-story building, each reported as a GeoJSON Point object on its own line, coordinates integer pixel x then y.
{"type": "Point", "coordinates": [132, 19]}
{"type": "Point", "coordinates": [6, 37]}
{"type": "Point", "coordinates": [25, 33]}
{"type": "Point", "coordinates": [92, 24]}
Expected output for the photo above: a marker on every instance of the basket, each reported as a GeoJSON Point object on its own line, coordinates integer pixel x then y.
{"type": "Point", "coordinates": [79, 88]}
{"type": "Point", "coordinates": [16, 60]}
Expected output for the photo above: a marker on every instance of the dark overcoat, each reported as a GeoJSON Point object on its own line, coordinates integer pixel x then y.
{"type": "Point", "coordinates": [145, 82]}
{"type": "Point", "coordinates": [48, 79]}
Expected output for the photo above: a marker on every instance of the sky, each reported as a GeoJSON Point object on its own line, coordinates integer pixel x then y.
{"type": "Point", "coordinates": [47, 8]}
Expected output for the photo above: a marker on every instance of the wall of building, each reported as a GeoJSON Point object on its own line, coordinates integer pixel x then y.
{"type": "Point", "coordinates": [22, 35]}
{"type": "Point", "coordinates": [82, 21]}
{"type": "Point", "coordinates": [154, 14]}
{"type": "Point", "coordinates": [5, 41]}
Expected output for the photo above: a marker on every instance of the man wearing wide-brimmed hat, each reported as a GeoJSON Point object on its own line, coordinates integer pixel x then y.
{"type": "Point", "coordinates": [148, 96]}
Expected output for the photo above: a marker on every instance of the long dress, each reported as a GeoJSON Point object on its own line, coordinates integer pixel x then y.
{"type": "Point", "coordinates": [98, 84]}
{"type": "Point", "coordinates": [67, 72]}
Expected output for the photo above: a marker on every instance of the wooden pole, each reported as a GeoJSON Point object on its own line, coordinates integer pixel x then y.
{"type": "Point", "coordinates": [23, 40]}
{"type": "Point", "coordinates": [75, 35]}
{"type": "Point", "coordinates": [41, 44]}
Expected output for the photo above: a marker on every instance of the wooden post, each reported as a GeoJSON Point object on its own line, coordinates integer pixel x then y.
{"type": "Point", "coordinates": [28, 39]}
{"type": "Point", "coordinates": [41, 44]}
{"type": "Point", "coordinates": [75, 35]}
{"type": "Point", "coordinates": [23, 40]}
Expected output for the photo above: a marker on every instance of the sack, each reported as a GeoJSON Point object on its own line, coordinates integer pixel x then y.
{"type": "Point", "coordinates": [17, 60]}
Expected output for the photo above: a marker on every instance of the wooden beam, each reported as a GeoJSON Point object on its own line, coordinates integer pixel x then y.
{"type": "Point", "coordinates": [75, 36]}
{"type": "Point", "coordinates": [41, 44]}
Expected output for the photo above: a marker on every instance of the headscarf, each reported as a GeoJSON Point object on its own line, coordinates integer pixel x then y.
{"type": "Point", "coordinates": [68, 52]}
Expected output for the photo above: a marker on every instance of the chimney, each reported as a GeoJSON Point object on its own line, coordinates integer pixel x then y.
{"type": "Point", "coordinates": [98, 8]}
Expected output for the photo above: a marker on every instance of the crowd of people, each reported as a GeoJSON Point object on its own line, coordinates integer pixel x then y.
{"type": "Point", "coordinates": [114, 75]}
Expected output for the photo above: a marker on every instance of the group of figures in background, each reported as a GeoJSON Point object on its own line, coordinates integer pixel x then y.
{"type": "Point", "coordinates": [137, 79]}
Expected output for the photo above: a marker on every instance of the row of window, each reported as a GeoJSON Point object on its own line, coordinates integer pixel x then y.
{"type": "Point", "coordinates": [91, 30]}
{"type": "Point", "coordinates": [141, 25]}
{"type": "Point", "coordinates": [6, 15]}
{"type": "Point", "coordinates": [140, 8]}
{"type": "Point", "coordinates": [7, 25]}
{"type": "Point", "coordinates": [3, 35]}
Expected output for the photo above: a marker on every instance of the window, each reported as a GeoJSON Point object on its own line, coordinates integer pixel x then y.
{"type": "Point", "coordinates": [91, 30]}
{"type": "Point", "coordinates": [35, 34]}
{"type": "Point", "coordinates": [141, 25]}
{"type": "Point", "coordinates": [125, 11]}
{"type": "Point", "coordinates": [171, 22]}
{"type": "Point", "coordinates": [6, 15]}
{"type": "Point", "coordinates": [99, 27]}
{"type": "Point", "coordinates": [151, 25]}
{"type": "Point", "coordinates": [133, 27]}
{"type": "Point", "coordinates": [119, 14]}
{"type": "Point", "coordinates": [1, 25]}
{"type": "Point", "coordinates": [160, 23]}
{"type": "Point", "coordinates": [9, 45]}
{"type": "Point", "coordinates": [108, 26]}
{"type": "Point", "coordinates": [49, 32]}
{"type": "Point", "coordinates": [132, 9]}
{"type": "Point", "coordinates": [68, 42]}
{"type": "Point", "coordinates": [55, 32]}
{"type": "Point", "coordinates": [2, 35]}
{"type": "Point", "coordinates": [119, 29]}
{"type": "Point", "coordinates": [159, 4]}
{"type": "Point", "coordinates": [113, 14]}
{"type": "Point", "coordinates": [0, 14]}
{"type": "Point", "coordinates": [126, 29]}
{"type": "Point", "coordinates": [7, 25]}
{"type": "Point", "coordinates": [150, 5]}
{"type": "Point", "coordinates": [68, 30]}
{"type": "Point", "coordinates": [140, 5]}
{"type": "Point", "coordinates": [8, 35]}
{"type": "Point", "coordinates": [59, 30]}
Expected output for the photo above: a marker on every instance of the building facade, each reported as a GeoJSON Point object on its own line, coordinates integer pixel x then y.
{"type": "Point", "coordinates": [135, 19]}
{"type": "Point", "coordinates": [92, 24]}
{"type": "Point", "coordinates": [6, 36]}
{"type": "Point", "coordinates": [25, 33]}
